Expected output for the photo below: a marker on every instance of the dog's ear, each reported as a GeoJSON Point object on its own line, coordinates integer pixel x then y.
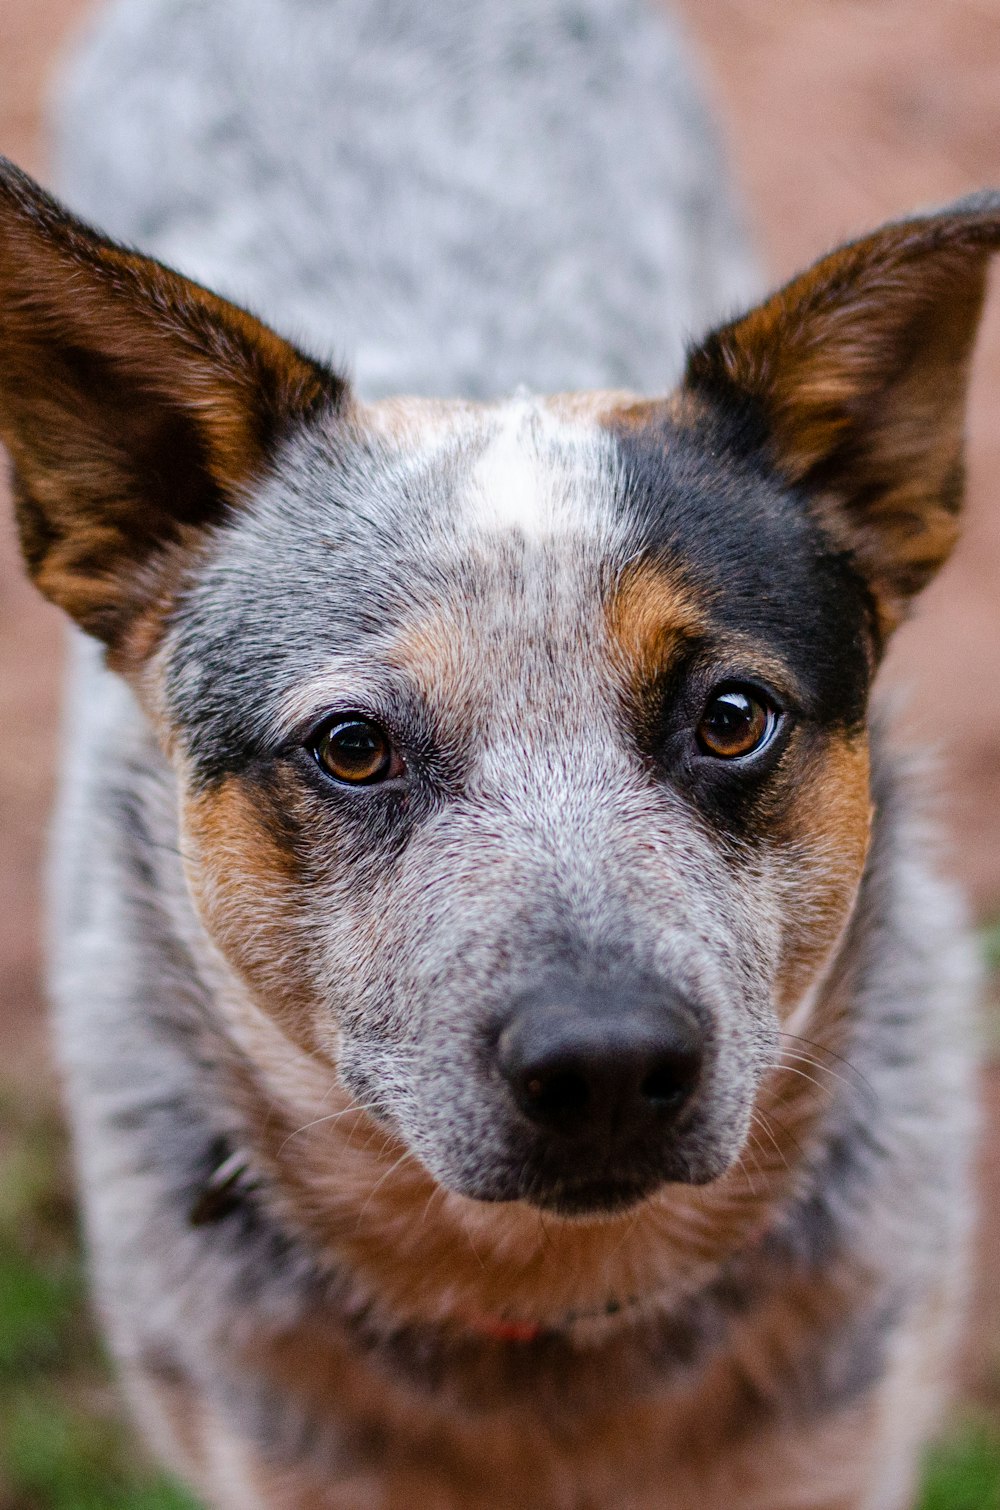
{"type": "Point", "coordinates": [853, 377]}
{"type": "Point", "coordinates": [136, 407]}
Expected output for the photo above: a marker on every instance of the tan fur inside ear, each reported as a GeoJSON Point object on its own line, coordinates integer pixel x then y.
{"type": "Point", "coordinates": [856, 373]}
{"type": "Point", "coordinates": [135, 406]}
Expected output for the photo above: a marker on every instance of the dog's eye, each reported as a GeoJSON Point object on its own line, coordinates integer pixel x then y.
{"type": "Point", "coordinates": [356, 751]}
{"type": "Point", "coordinates": [736, 721]}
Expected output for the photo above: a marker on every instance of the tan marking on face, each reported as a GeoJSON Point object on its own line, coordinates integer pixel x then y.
{"type": "Point", "coordinates": [647, 616]}
{"type": "Point", "coordinates": [825, 830]}
{"type": "Point", "coordinates": [410, 420]}
{"type": "Point", "coordinates": [617, 409]}
{"type": "Point", "coordinates": [606, 407]}
{"type": "Point", "coordinates": [432, 651]}
{"type": "Point", "coordinates": [589, 407]}
{"type": "Point", "coordinates": [247, 887]}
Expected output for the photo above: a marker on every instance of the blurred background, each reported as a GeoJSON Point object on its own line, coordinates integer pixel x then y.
{"type": "Point", "coordinates": [837, 114]}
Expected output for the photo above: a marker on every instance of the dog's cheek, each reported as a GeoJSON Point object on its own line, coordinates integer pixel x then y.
{"type": "Point", "coordinates": [821, 851]}
{"type": "Point", "coordinates": [247, 884]}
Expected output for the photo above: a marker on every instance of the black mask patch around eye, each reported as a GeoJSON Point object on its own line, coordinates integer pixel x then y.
{"type": "Point", "coordinates": [749, 552]}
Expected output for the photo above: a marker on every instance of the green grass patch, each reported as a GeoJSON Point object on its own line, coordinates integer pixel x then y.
{"type": "Point", "coordinates": [63, 1442]}
{"type": "Point", "coordinates": [60, 1458]}
{"type": "Point", "coordinates": [963, 1470]}
{"type": "Point", "coordinates": [37, 1306]}
{"type": "Point", "coordinates": [991, 945]}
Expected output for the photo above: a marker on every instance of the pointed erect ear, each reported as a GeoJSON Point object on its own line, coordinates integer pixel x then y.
{"type": "Point", "coordinates": [854, 379]}
{"type": "Point", "coordinates": [136, 407]}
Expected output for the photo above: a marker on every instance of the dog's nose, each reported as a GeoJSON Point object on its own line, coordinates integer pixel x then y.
{"type": "Point", "coordinates": [601, 1064]}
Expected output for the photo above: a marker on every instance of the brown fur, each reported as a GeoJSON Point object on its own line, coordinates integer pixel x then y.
{"type": "Point", "coordinates": [450, 1261]}
{"type": "Point", "coordinates": [822, 847]}
{"type": "Point", "coordinates": [717, 1447]}
{"type": "Point", "coordinates": [618, 408]}
{"type": "Point", "coordinates": [243, 876]}
{"type": "Point", "coordinates": [647, 615]}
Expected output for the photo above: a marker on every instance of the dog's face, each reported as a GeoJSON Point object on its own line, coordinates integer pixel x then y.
{"type": "Point", "coordinates": [524, 746]}
{"type": "Point", "coordinates": [521, 748]}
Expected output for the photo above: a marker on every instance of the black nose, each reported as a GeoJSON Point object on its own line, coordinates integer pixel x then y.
{"type": "Point", "coordinates": [602, 1063]}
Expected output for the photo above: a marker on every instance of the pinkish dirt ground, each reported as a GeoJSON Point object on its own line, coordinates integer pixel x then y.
{"type": "Point", "coordinates": [839, 113]}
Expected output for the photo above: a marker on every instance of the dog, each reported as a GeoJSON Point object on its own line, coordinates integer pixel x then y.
{"type": "Point", "coordinates": [516, 1047]}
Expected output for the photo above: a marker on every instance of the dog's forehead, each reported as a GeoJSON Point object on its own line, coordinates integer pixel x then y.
{"type": "Point", "coordinates": [535, 467]}
{"type": "Point", "coordinates": [509, 548]}
{"type": "Point", "coordinates": [544, 551]}
{"type": "Point", "coordinates": [494, 562]}
{"type": "Point", "coordinates": [602, 508]}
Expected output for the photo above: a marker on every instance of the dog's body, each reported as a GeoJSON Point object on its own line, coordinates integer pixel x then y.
{"type": "Point", "coordinates": [355, 1241]}
{"type": "Point", "coordinates": [450, 197]}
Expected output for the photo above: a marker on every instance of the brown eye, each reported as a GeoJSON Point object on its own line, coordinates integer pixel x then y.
{"type": "Point", "coordinates": [736, 721]}
{"type": "Point", "coordinates": [355, 751]}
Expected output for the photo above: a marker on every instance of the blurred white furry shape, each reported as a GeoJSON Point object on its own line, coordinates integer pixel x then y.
{"type": "Point", "coordinates": [450, 198]}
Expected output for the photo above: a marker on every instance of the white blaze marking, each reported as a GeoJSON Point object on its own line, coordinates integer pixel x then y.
{"type": "Point", "coordinates": [511, 485]}
{"type": "Point", "coordinates": [534, 474]}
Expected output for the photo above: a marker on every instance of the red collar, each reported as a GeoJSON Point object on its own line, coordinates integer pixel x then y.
{"type": "Point", "coordinates": [499, 1329]}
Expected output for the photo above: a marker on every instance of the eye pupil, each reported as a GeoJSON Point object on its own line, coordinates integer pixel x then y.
{"type": "Point", "coordinates": [355, 751]}
{"type": "Point", "coordinates": [735, 722]}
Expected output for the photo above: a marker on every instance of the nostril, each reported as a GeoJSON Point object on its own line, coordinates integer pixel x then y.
{"type": "Point", "coordinates": [671, 1081]}
{"type": "Point", "coordinates": [561, 1095]}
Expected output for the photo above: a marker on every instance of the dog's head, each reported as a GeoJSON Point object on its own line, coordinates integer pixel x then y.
{"type": "Point", "coordinates": [521, 747]}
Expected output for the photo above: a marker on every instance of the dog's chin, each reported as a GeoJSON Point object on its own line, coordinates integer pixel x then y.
{"type": "Point", "coordinates": [592, 1198]}
{"type": "Point", "coordinates": [606, 1195]}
